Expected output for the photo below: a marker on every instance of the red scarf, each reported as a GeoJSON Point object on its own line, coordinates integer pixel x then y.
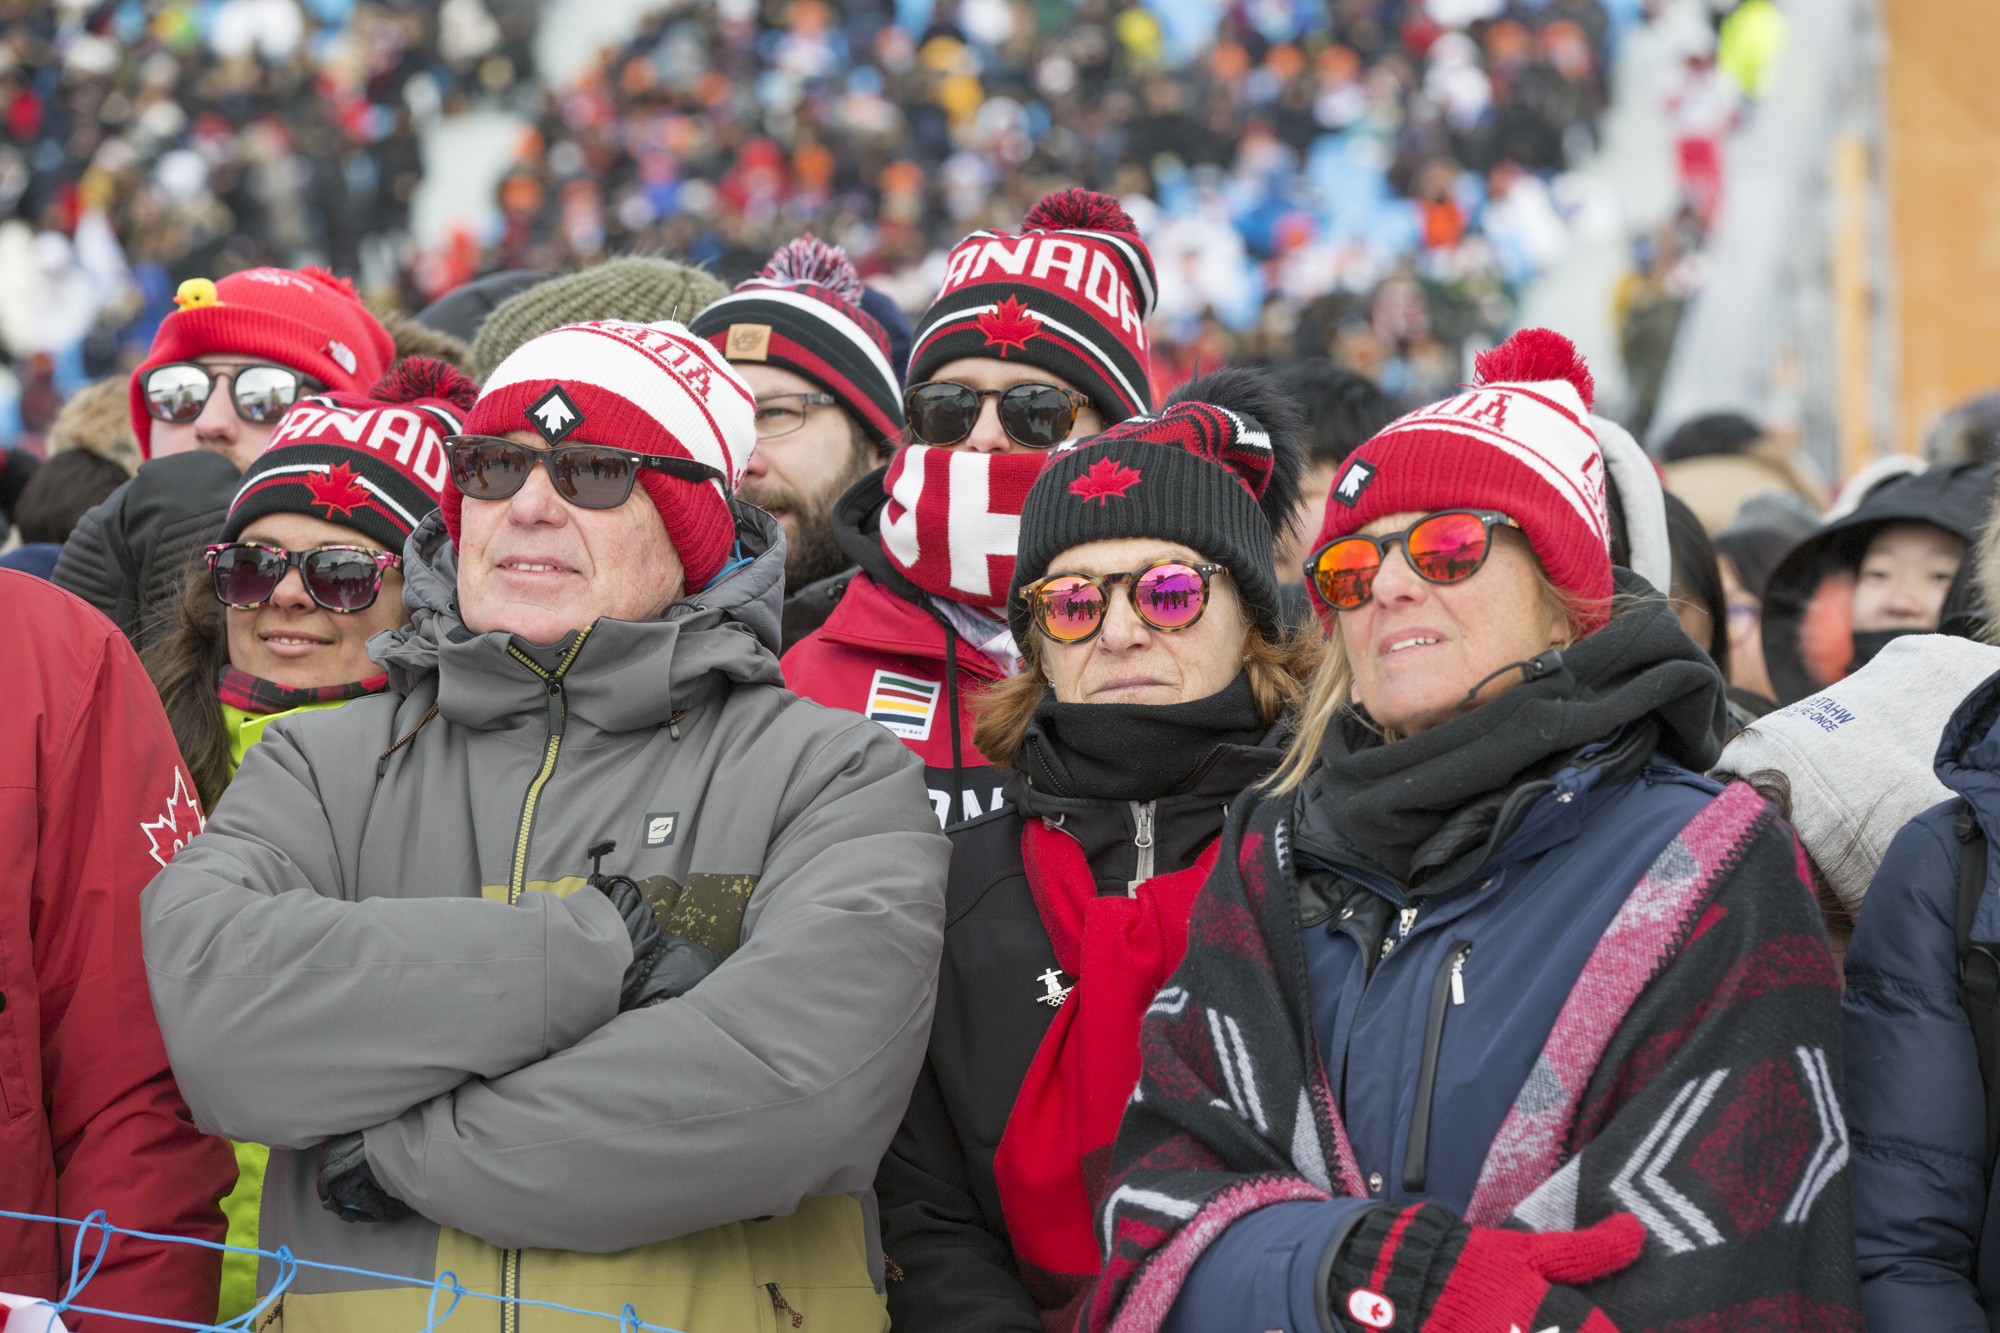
{"type": "Point", "coordinates": [954, 519]}
{"type": "Point", "coordinates": [1052, 1159]}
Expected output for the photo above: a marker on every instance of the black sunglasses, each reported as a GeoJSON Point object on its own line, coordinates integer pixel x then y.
{"type": "Point", "coordinates": [339, 578]}
{"type": "Point", "coordinates": [1035, 416]}
{"type": "Point", "coordinates": [177, 392]}
{"type": "Point", "coordinates": [589, 476]}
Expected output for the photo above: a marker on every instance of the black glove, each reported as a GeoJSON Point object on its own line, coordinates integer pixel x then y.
{"type": "Point", "coordinates": [348, 1188]}
{"type": "Point", "coordinates": [663, 966]}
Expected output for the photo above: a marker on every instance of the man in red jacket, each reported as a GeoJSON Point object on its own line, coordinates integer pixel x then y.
{"type": "Point", "coordinates": [1035, 339]}
{"type": "Point", "coordinates": [93, 802]}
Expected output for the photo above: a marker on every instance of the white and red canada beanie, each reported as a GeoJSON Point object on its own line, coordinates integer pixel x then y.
{"type": "Point", "coordinates": [1216, 471]}
{"type": "Point", "coordinates": [802, 311]}
{"type": "Point", "coordinates": [373, 462]}
{"type": "Point", "coordinates": [650, 388]}
{"type": "Point", "coordinates": [1517, 440]}
{"type": "Point", "coordinates": [306, 319]}
{"type": "Point", "coordinates": [1070, 294]}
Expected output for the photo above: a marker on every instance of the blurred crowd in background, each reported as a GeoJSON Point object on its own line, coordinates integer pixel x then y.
{"type": "Point", "coordinates": [1369, 180]}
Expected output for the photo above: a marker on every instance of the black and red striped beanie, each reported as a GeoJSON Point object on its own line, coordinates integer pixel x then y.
{"type": "Point", "coordinates": [1070, 294]}
{"type": "Point", "coordinates": [802, 311]}
{"type": "Point", "coordinates": [373, 462]}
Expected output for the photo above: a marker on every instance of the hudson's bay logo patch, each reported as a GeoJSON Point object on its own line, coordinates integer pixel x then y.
{"type": "Point", "coordinates": [903, 704]}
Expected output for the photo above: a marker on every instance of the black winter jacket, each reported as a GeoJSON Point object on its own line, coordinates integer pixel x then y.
{"type": "Point", "coordinates": [998, 990]}
{"type": "Point", "coordinates": [1926, 1210]}
{"type": "Point", "coordinates": [127, 555]}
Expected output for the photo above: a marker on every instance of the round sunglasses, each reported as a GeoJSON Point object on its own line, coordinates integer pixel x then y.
{"type": "Point", "coordinates": [177, 392]}
{"type": "Point", "coordinates": [589, 476]}
{"type": "Point", "coordinates": [1035, 416]}
{"type": "Point", "coordinates": [1446, 547]}
{"type": "Point", "coordinates": [1168, 595]}
{"type": "Point", "coordinates": [339, 578]}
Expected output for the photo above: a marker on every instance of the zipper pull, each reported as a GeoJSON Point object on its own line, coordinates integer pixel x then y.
{"type": "Point", "coordinates": [1458, 977]}
{"type": "Point", "coordinates": [1144, 819]}
{"type": "Point", "coordinates": [1404, 920]}
{"type": "Point", "coordinates": [555, 708]}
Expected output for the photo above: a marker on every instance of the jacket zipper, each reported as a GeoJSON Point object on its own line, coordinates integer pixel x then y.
{"type": "Point", "coordinates": [1142, 838]}
{"type": "Point", "coordinates": [517, 882]}
{"type": "Point", "coordinates": [1447, 992]}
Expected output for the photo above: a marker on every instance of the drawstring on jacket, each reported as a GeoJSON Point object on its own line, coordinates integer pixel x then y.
{"type": "Point", "coordinates": [951, 699]}
{"type": "Point", "coordinates": [382, 761]}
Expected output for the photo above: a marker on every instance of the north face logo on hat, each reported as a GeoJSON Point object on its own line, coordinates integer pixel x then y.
{"type": "Point", "coordinates": [555, 414]}
{"type": "Point", "coordinates": [1354, 481]}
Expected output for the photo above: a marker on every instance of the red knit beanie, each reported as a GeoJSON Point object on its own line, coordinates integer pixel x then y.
{"type": "Point", "coordinates": [306, 319]}
{"type": "Point", "coordinates": [650, 388]}
{"type": "Point", "coordinates": [1517, 440]}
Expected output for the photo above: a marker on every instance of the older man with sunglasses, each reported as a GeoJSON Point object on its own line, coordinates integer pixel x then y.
{"type": "Point", "coordinates": [1035, 339]}
{"type": "Point", "coordinates": [223, 369]}
{"type": "Point", "coordinates": [588, 961]}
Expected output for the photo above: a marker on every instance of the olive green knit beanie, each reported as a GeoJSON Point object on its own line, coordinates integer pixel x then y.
{"type": "Point", "coordinates": [641, 289]}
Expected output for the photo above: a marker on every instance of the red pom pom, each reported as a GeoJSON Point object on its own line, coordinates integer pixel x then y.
{"type": "Point", "coordinates": [811, 260]}
{"type": "Point", "coordinates": [331, 279]}
{"type": "Point", "coordinates": [1537, 354]}
{"type": "Point", "coordinates": [1079, 210]}
{"type": "Point", "coordinates": [417, 377]}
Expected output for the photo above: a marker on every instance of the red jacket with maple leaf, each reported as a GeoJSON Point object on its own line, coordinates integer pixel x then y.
{"type": "Point", "coordinates": [93, 802]}
{"type": "Point", "coordinates": [884, 653]}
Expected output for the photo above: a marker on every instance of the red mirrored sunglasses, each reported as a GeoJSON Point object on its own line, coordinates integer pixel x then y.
{"type": "Point", "coordinates": [1446, 547]}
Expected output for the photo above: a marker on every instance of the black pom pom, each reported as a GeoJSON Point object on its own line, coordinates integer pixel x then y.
{"type": "Point", "coordinates": [1257, 394]}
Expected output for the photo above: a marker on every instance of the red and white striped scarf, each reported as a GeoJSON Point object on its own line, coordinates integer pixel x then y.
{"type": "Point", "coordinates": [954, 519]}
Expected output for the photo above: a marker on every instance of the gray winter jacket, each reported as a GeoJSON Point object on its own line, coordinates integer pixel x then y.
{"type": "Point", "coordinates": [381, 929]}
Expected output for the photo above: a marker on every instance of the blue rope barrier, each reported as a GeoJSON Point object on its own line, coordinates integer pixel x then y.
{"type": "Point", "coordinates": [289, 1264]}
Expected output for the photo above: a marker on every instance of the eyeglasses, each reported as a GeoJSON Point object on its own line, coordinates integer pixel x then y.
{"type": "Point", "coordinates": [1446, 547]}
{"type": "Point", "coordinates": [1035, 416]}
{"type": "Point", "coordinates": [783, 413]}
{"type": "Point", "coordinates": [176, 393]}
{"type": "Point", "coordinates": [339, 578]}
{"type": "Point", "coordinates": [1168, 595]}
{"type": "Point", "coordinates": [589, 476]}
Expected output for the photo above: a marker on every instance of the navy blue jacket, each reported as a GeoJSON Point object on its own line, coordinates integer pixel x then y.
{"type": "Point", "coordinates": [1925, 1225]}
{"type": "Point", "coordinates": [1519, 930]}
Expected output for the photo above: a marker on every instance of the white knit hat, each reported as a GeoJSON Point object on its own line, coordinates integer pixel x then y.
{"type": "Point", "coordinates": [1861, 754]}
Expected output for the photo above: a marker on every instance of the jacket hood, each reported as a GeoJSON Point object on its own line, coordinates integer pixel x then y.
{"type": "Point", "coordinates": [1857, 757]}
{"type": "Point", "coordinates": [1808, 625]}
{"type": "Point", "coordinates": [1968, 760]}
{"type": "Point", "coordinates": [730, 629]}
{"type": "Point", "coordinates": [1414, 808]}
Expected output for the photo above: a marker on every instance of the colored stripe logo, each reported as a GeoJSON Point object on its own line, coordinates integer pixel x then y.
{"type": "Point", "coordinates": [903, 704]}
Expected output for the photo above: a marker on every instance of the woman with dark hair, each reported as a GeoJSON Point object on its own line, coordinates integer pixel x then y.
{"type": "Point", "coordinates": [1746, 556]}
{"type": "Point", "coordinates": [1156, 669]}
{"type": "Point", "coordinates": [1496, 1014]}
{"type": "Point", "coordinates": [276, 619]}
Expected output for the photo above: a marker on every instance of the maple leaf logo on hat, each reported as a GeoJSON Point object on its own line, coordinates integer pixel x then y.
{"type": "Point", "coordinates": [1009, 325]}
{"type": "Point", "coordinates": [1107, 477]}
{"type": "Point", "coordinates": [337, 489]}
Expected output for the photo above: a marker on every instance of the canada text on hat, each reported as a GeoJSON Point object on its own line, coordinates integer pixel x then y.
{"type": "Point", "coordinates": [413, 435]}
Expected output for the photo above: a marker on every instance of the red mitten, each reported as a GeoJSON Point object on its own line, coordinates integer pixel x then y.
{"type": "Point", "coordinates": [1422, 1268]}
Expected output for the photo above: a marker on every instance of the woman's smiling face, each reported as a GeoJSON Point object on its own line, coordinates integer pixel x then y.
{"type": "Point", "coordinates": [292, 640]}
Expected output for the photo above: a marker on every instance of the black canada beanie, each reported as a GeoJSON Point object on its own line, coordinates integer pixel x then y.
{"type": "Point", "coordinates": [1217, 471]}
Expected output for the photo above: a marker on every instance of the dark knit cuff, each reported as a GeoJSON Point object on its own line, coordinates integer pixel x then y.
{"type": "Point", "coordinates": [1413, 1248]}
